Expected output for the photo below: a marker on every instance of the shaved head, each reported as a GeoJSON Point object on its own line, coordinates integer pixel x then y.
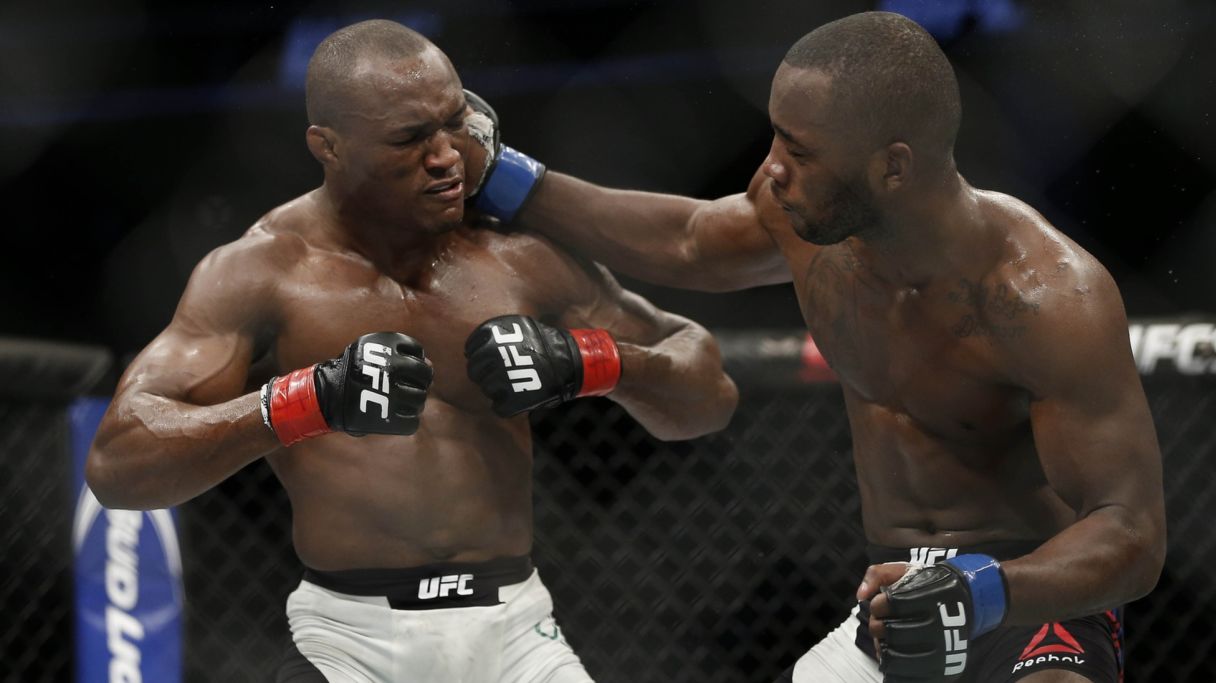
{"type": "Point", "coordinates": [889, 81]}
{"type": "Point", "coordinates": [331, 81]}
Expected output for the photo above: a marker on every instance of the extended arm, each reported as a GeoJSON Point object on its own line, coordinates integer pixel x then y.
{"type": "Point", "coordinates": [666, 239]}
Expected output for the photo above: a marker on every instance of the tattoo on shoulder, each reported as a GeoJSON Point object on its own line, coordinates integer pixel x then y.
{"type": "Point", "coordinates": [992, 312]}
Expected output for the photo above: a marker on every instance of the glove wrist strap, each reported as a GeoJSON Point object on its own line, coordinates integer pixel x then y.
{"type": "Point", "coordinates": [294, 409]}
{"type": "Point", "coordinates": [601, 361]}
{"type": "Point", "coordinates": [509, 184]}
{"type": "Point", "coordinates": [989, 592]}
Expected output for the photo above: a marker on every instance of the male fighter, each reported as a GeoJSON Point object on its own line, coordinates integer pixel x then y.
{"type": "Point", "coordinates": [998, 421]}
{"type": "Point", "coordinates": [415, 535]}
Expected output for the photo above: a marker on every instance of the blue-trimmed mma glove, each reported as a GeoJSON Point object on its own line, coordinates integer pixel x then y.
{"type": "Point", "coordinates": [935, 612]}
{"type": "Point", "coordinates": [509, 176]}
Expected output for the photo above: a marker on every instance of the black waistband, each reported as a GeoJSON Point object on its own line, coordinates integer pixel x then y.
{"type": "Point", "coordinates": [431, 586]}
{"type": "Point", "coordinates": [1001, 550]}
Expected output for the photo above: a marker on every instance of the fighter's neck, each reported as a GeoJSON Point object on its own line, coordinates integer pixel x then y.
{"type": "Point", "coordinates": [401, 251]}
{"type": "Point", "coordinates": [940, 237]}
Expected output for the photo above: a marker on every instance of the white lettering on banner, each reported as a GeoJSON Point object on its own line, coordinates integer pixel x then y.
{"type": "Point", "coordinates": [122, 590]}
{"type": "Point", "coordinates": [375, 356]}
{"type": "Point", "coordinates": [526, 379]}
{"type": "Point", "coordinates": [441, 586]}
{"type": "Point", "coordinates": [1191, 348]}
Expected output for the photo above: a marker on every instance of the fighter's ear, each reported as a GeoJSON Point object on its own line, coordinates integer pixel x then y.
{"type": "Point", "coordinates": [892, 166]}
{"type": "Point", "coordinates": [323, 143]}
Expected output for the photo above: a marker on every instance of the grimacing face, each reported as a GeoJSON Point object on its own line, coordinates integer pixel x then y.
{"type": "Point", "coordinates": [819, 187]}
{"type": "Point", "coordinates": [402, 137]}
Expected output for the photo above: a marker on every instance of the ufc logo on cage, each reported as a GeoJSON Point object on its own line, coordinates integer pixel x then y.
{"type": "Point", "coordinates": [375, 359]}
{"type": "Point", "coordinates": [522, 379]}
{"type": "Point", "coordinates": [441, 586]}
{"type": "Point", "coordinates": [956, 646]}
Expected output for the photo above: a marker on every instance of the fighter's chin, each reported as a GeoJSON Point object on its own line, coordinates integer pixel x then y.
{"type": "Point", "coordinates": [447, 220]}
{"type": "Point", "coordinates": [818, 233]}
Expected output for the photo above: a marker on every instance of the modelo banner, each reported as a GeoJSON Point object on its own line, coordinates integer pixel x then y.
{"type": "Point", "coordinates": [128, 580]}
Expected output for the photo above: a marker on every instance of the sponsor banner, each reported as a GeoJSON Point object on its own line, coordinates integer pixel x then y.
{"type": "Point", "coordinates": [1186, 347]}
{"type": "Point", "coordinates": [128, 580]}
{"type": "Point", "coordinates": [788, 358]}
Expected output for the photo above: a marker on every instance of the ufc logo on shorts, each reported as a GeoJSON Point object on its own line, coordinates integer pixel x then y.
{"type": "Point", "coordinates": [956, 645]}
{"type": "Point", "coordinates": [441, 586]}
{"type": "Point", "coordinates": [931, 556]}
{"type": "Point", "coordinates": [522, 379]}
{"type": "Point", "coordinates": [375, 359]}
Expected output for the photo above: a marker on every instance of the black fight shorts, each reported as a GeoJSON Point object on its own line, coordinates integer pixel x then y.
{"type": "Point", "coordinates": [1091, 646]}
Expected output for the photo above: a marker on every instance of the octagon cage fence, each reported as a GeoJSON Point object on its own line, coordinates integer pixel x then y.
{"type": "Point", "coordinates": [719, 559]}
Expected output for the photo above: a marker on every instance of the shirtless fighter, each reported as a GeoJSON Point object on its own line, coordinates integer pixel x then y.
{"type": "Point", "coordinates": [415, 536]}
{"type": "Point", "coordinates": [999, 426]}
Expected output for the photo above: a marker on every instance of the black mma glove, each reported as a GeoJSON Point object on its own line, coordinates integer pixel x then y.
{"type": "Point", "coordinates": [935, 612]}
{"type": "Point", "coordinates": [523, 364]}
{"type": "Point", "coordinates": [377, 386]}
{"type": "Point", "coordinates": [509, 176]}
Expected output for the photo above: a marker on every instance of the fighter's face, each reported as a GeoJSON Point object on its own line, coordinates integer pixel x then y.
{"type": "Point", "coordinates": [817, 178]}
{"type": "Point", "coordinates": [402, 142]}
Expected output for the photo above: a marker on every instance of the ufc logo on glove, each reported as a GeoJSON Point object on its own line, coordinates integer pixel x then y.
{"type": "Point", "coordinates": [522, 364]}
{"type": "Point", "coordinates": [521, 379]}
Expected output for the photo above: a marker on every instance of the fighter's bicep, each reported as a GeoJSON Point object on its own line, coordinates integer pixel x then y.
{"type": "Point", "coordinates": [1091, 422]}
{"type": "Point", "coordinates": [191, 366]}
{"type": "Point", "coordinates": [1095, 453]}
{"type": "Point", "coordinates": [731, 233]}
{"type": "Point", "coordinates": [203, 356]}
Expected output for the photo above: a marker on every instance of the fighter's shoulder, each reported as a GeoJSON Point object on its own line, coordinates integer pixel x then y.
{"type": "Point", "coordinates": [275, 242]}
{"type": "Point", "coordinates": [1045, 285]}
{"type": "Point", "coordinates": [540, 261]}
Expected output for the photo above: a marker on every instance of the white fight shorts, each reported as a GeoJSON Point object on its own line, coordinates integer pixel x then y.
{"type": "Point", "coordinates": [437, 624]}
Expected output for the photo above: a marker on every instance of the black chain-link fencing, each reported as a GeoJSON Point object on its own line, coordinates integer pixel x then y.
{"type": "Point", "coordinates": [721, 559]}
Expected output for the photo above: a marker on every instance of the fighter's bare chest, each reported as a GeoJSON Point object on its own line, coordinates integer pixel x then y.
{"type": "Point", "coordinates": [321, 317]}
{"type": "Point", "coordinates": [920, 352]}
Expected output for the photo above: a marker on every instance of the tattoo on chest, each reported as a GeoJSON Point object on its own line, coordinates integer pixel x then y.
{"type": "Point", "coordinates": [830, 304]}
{"type": "Point", "coordinates": [991, 312]}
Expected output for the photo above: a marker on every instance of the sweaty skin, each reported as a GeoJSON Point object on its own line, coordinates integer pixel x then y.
{"type": "Point", "coordinates": [380, 247]}
{"type": "Point", "coordinates": [987, 375]}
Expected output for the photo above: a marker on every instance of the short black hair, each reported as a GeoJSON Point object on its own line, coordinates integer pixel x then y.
{"type": "Point", "coordinates": [888, 75]}
{"type": "Point", "coordinates": [332, 65]}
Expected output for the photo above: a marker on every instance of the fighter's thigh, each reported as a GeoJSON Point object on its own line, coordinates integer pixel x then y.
{"type": "Point", "coordinates": [539, 653]}
{"type": "Point", "coordinates": [835, 659]}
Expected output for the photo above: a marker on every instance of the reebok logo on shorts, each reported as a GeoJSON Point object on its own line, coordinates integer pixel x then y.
{"type": "Point", "coordinates": [1052, 644]}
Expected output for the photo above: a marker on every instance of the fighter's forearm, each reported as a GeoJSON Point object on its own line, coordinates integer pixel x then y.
{"type": "Point", "coordinates": [676, 388]}
{"type": "Point", "coordinates": [1110, 557]}
{"type": "Point", "coordinates": [154, 452]}
{"type": "Point", "coordinates": [641, 234]}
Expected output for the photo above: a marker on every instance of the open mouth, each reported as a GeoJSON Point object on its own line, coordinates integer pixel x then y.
{"type": "Point", "coordinates": [447, 190]}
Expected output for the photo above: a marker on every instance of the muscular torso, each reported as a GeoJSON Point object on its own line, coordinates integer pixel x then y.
{"type": "Point", "coordinates": [941, 432]}
{"type": "Point", "coordinates": [460, 488]}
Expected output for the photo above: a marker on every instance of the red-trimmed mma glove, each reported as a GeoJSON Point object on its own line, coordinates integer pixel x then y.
{"type": "Point", "coordinates": [936, 612]}
{"type": "Point", "coordinates": [377, 386]}
{"type": "Point", "coordinates": [523, 364]}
